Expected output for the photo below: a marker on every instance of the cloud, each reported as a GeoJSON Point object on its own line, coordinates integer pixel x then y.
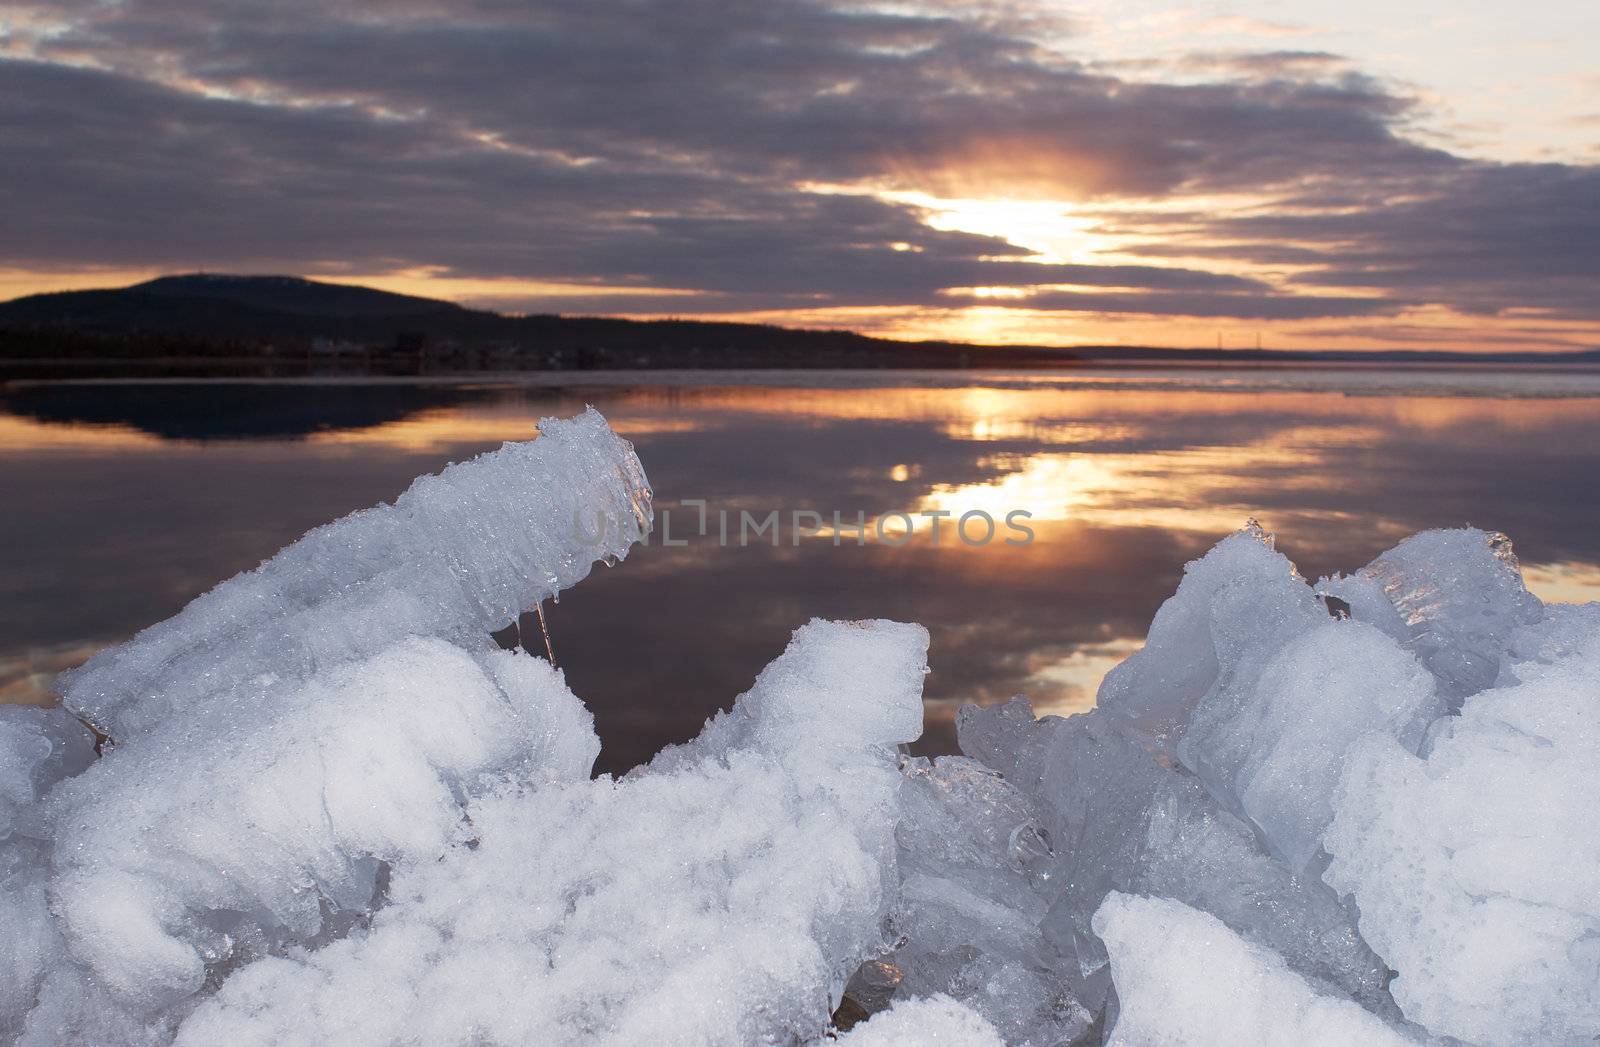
{"type": "Point", "coordinates": [663, 144]}
{"type": "Point", "coordinates": [1240, 306]}
{"type": "Point", "coordinates": [1482, 239]}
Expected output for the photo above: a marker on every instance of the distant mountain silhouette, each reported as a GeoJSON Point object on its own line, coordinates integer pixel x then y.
{"type": "Point", "coordinates": [246, 307]}
{"type": "Point", "coordinates": [293, 294]}
{"type": "Point", "coordinates": [210, 316]}
{"type": "Point", "coordinates": [285, 323]}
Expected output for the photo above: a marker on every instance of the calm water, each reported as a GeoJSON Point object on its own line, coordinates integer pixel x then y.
{"type": "Point", "coordinates": [120, 502]}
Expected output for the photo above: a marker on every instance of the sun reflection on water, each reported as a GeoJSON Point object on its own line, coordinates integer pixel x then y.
{"type": "Point", "coordinates": [114, 517]}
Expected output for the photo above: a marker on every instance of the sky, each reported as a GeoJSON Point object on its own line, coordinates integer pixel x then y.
{"type": "Point", "coordinates": [1301, 173]}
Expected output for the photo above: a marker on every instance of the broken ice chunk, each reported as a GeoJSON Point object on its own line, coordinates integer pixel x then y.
{"type": "Point", "coordinates": [719, 896]}
{"type": "Point", "coordinates": [1272, 744]}
{"type": "Point", "coordinates": [1184, 979]}
{"type": "Point", "coordinates": [1461, 597]}
{"type": "Point", "coordinates": [968, 914]}
{"type": "Point", "coordinates": [1476, 867]}
{"type": "Point", "coordinates": [1564, 629]}
{"type": "Point", "coordinates": [1234, 608]}
{"type": "Point", "coordinates": [1119, 818]}
{"type": "Point", "coordinates": [242, 827]}
{"type": "Point", "coordinates": [456, 556]}
{"type": "Point", "coordinates": [30, 943]}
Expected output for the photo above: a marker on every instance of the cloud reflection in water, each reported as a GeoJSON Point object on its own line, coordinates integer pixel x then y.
{"type": "Point", "coordinates": [118, 513]}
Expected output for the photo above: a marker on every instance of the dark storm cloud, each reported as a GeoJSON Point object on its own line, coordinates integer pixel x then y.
{"type": "Point", "coordinates": [650, 143]}
{"type": "Point", "coordinates": [765, 87]}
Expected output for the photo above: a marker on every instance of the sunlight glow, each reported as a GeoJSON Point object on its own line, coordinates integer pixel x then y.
{"type": "Point", "coordinates": [1048, 228]}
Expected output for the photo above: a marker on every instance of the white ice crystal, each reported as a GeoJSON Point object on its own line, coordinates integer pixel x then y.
{"type": "Point", "coordinates": [1477, 866]}
{"type": "Point", "coordinates": [281, 743]}
{"type": "Point", "coordinates": [1185, 980]}
{"type": "Point", "coordinates": [720, 895]}
{"type": "Point", "coordinates": [207, 844]}
{"type": "Point", "coordinates": [927, 1021]}
{"type": "Point", "coordinates": [456, 556]}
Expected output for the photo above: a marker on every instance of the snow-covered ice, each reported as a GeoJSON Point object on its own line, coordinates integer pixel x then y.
{"type": "Point", "coordinates": [720, 895]}
{"type": "Point", "coordinates": [928, 1021]}
{"type": "Point", "coordinates": [1477, 866]}
{"type": "Point", "coordinates": [1411, 750]}
{"type": "Point", "coordinates": [325, 808]}
{"type": "Point", "coordinates": [234, 837]}
{"type": "Point", "coordinates": [1185, 980]}
{"type": "Point", "coordinates": [456, 556]}
{"type": "Point", "coordinates": [282, 744]}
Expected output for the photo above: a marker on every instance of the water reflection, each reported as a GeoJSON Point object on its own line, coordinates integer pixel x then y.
{"type": "Point", "coordinates": [122, 503]}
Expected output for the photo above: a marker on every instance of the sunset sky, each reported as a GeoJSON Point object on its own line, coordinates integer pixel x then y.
{"type": "Point", "coordinates": [1315, 174]}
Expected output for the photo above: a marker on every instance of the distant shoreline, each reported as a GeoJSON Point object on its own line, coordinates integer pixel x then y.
{"type": "Point", "coordinates": [255, 368]}
{"type": "Point", "coordinates": [199, 325]}
{"type": "Point", "coordinates": [1447, 380]}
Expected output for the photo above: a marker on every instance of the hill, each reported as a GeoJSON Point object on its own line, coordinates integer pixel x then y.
{"type": "Point", "coordinates": [202, 316]}
{"type": "Point", "coordinates": [211, 323]}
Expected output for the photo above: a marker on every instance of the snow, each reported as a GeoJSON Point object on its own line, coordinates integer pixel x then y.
{"type": "Point", "coordinates": [1477, 866]}
{"type": "Point", "coordinates": [1185, 980]}
{"type": "Point", "coordinates": [326, 809]}
{"type": "Point", "coordinates": [720, 895]}
{"type": "Point", "coordinates": [929, 1021]}
{"type": "Point", "coordinates": [206, 845]}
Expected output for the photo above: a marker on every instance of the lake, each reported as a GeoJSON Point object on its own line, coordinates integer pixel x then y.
{"type": "Point", "coordinates": [121, 501]}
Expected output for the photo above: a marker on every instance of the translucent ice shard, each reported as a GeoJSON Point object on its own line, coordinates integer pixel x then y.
{"type": "Point", "coordinates": [456, 556]}
{"type": "Point", "coordinates": [1236, 606]}
{"type": "Point", "coordinates": [1457, 595]}
{"type": "Point", "coordinates": [971, 855]}
{"type": "Point", "coordinates": [1122, 818]}
{"type": "Point", "coordinates": [38, 747]}
{"type": "Point", "coordinates": [1272, 744]}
